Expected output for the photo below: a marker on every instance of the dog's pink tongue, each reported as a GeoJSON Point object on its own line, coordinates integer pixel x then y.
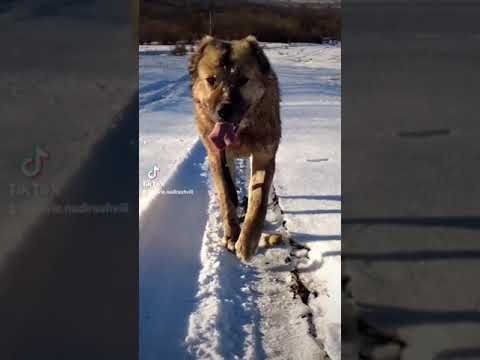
{"type": "Point", "coordinates": [223, 135]}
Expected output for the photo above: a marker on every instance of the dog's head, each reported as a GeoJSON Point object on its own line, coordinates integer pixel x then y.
{"type": "Point", "coordinates": [228, 77]}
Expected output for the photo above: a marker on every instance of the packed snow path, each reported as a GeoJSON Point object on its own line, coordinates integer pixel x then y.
{"type": "Point", "coordinates": [196, 300]}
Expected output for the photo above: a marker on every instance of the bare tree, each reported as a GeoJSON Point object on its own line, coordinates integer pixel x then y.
{"type": "Point", "coordinates": [210, 22]}
{"type": "Point", "coordinates": [210, 17]}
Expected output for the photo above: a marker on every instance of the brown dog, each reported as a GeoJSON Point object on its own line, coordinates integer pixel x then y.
{"type": "Point", "coordinates": [236, 96]}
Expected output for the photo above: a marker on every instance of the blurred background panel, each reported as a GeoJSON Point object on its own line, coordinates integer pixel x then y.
{"type": "Point", "coordinates": [410, 149]}
{"type": "Point", "coordinates": [68, 225]}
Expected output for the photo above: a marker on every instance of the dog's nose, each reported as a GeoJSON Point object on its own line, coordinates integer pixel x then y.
{"type": "Point", "coordinates": [225, 111]}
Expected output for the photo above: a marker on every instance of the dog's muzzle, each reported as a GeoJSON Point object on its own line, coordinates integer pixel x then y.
{"type": "Point", "coordinates": [225, 112]}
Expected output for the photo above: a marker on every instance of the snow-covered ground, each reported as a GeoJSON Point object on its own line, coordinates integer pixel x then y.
{"type": "Point", "coordinates": [166, 128]}
{"type": "Point", "coordinates": [196, 299]}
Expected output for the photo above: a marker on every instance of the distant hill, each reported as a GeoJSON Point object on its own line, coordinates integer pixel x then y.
{"type": "Point", "coordinates": [309, 3]}
{"type": "Point", "coordinates": [312, 3]}
{"type": "Point", "coordinates": [169, 21]}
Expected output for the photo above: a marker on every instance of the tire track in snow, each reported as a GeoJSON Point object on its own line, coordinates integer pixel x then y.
{"type": "Point", "coordinates": [159, 98]}
{"type": "Point", "coordinates": [248, 311]}
{"type": "Point", "coordinates": [170, 239]}
{"type": "Point", "coordinates": [170, 92]}
{"type": "Point", "coordinates": [225, 324]}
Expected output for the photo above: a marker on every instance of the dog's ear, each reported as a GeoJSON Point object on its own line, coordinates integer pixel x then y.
{"type": "Point", "coordinates": [262, 60]}
{"type": "Point", "coordinates": [197, 55]}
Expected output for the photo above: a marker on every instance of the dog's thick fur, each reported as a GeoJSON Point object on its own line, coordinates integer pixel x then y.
{"type": "Point", "coordinates": [239, 74]}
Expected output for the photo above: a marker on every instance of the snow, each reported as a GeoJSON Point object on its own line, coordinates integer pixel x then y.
{"type": "Point", "coordinates": [308, 180]}
{"type": "Point", "coordinates": [167, 132]}
{"type": "Point", "coordinates": [242, 311]}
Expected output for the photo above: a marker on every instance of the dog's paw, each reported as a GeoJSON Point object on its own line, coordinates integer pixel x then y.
{"type": "Point", "coordinates": [229, 244]}
{"type": "Point", "coordinates": [244, 251]}
{"type": "Point", "coordinates": [231, 233]}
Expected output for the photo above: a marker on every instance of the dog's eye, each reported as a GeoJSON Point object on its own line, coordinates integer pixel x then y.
{"type": "Point", "coordinates": [242, 80]}
{"type": "Point", "coordinates": [211, 80]}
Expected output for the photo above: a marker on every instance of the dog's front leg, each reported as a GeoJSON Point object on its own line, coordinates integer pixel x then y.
{"type": "Point", "coordinates": [231, 228]}
{"type": "Point", "coordinates": [263, 168]}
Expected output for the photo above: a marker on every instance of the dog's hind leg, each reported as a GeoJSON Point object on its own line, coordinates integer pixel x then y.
{"type": "Point", "coordinates": [262, 170]}
{"type": "Point", "coordinates": [231, 228]}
